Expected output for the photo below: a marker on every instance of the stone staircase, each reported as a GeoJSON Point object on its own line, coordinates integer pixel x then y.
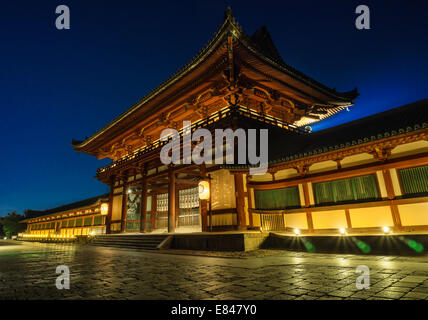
{"type": "Point", "coordinates": [131, 241]}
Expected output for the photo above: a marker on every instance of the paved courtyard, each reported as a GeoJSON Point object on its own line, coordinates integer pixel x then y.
{"type": "Point", "coordinates": [27, 271]}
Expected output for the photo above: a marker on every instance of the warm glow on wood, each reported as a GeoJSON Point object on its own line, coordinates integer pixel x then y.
{"type": "Point", "coordinates": [104, 209]}
{"type": "Point", "coordinates": [204, 190]}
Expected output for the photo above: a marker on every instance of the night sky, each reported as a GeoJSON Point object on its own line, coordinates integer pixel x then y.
{"type": "Point", "coordinates": [56, 85]}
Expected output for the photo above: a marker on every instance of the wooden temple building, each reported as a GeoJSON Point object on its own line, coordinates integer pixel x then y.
{"type": "Point", "coordinates": [86, 217]}
{"type": "Point", "coordinates": [361, 176]}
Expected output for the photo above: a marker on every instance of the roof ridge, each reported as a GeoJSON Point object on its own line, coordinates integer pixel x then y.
{"type": "Point", "coordinates": [76, 203]}
{"type": "Point", "coordinates": [376, 115]}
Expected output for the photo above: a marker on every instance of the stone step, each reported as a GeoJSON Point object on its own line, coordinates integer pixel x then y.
{"type": "Point", "coordinates": [150, 244]}
{"type": "Point", "coordinates": [128, 239]}
{"type": "Point", "coordinates": [145, 242]}
{"type": "Point", "coordinates": [126, 247]}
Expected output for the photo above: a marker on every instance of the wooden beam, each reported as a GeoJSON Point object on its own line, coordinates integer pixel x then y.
{"type": "Point", "coordinates": [186, 181]}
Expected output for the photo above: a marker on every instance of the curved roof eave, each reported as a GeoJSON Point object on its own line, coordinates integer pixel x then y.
{"type": "Point", "coordinates": [229, 25]}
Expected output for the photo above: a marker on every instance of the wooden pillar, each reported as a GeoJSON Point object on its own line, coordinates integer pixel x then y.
{"type": "Point", "coordinates": [154, 212]}
{"type": "Point", "coordinates": [307, 205]}
{"type": "Point", "coordinates": [176, 207]}
{"type": "Point", "coordinates": [240, 202]}
{"type": "Point", "coordinates": [396, 217]}
{"type": "Point", "coordinates": [348, 219]}
{"type": "Point", "coordinates": [171, 200]}
{"type": "Point", "coordinates": [143, 200]}
{"type": "Point", "coordinates": [204, 203]}
{"type": "Point", "coordinates": [309, 220]}
{"type": "Point", "coordinates": [391, 195]}
{"type": "Point", "coordinates": [110, 205]}
{"type": "Point", "coordinates": [250, 203]}
{"type": "Point", "coordinates": [388, 184]}
{"type": "Point", "coordinates": [124, 201]}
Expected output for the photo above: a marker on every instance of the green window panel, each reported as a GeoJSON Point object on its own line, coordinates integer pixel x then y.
{"type": "Point", "coordinates": [78, 222]}
{"type": "Point", "coordinates": [64, 224]}
{"type": "Point", "coordinates": [346, 190]}
{"type": "Point", "coordinates": [70, 223]}
{"type": "Point", "coordinates": [277, 198]}
{"type": "Point", "coordinates": [149, 203]}
{"type": "Point", "coordinates": [87, 222]}
{"type": "Point", "coordinates": [414, 180]}
{"type": "Point", "coordinates": [98, 220]}
{"type": "Point", "coordinates": [52, 225]}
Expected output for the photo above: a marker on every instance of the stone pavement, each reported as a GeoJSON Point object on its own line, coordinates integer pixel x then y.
{"type": "Point", "coordinates": [27, 271]}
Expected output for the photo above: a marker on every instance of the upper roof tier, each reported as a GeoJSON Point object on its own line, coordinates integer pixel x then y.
{"type": "Point", "coordinates": [232, 69]}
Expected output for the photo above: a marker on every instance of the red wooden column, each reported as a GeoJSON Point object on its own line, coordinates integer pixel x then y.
{"type": "Point", "coordinates": [143, 200]}
{"type": "Point", "coordinates": [348, 219]}
{"type": "Point", "coordinates": [250, 202]}
{"type": "Point", "coordinates": [307, 205]}
{"type": "Point", "coordinates": [240, 202]}
{"type": "Point", "coordinates": [110, 205]}
{"type": "Point", "coordinates": [153, 212]}
{"type": "Point", "coordinates": [396, 219]}
{"type": "Point", "coordinates": [171, 199]}
{"type": "Point", "coordinates": [204, 203]}
{"type": "Point", "coordinates": [124, 200]}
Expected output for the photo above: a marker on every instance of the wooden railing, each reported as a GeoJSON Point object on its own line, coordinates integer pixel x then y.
{"type": "Point", "coordinates": [272, 221]}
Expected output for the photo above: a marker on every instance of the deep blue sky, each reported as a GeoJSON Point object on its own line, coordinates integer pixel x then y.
{"type": "Point", "coordinates": [58, 85]}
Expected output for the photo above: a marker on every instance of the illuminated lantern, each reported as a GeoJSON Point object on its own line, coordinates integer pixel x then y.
{"type": "Point", "coordinates": [104, 209]}
{"type": "Point", "coordinates": [204, 190]}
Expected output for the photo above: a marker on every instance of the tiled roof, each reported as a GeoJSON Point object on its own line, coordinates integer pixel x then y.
{"type": "Point", "coordinates": [75, 205]}
{"type": "Point", "coordinates": [397, 121]}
